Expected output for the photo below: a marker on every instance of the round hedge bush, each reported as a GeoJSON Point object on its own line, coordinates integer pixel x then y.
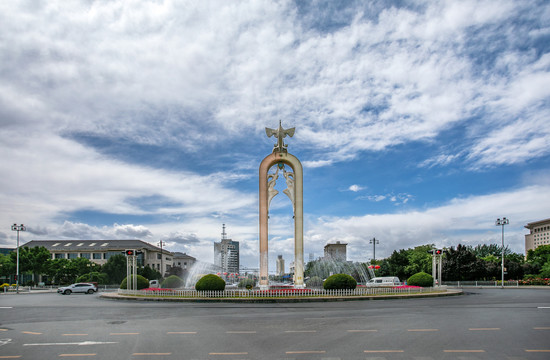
{"type": "Point", "coordinates": [210, 282]}
{"type": "Point", "coordinates": [339, 281]}
{"type": "Point", "coordinates": [172, 282]}
{"type": "Point", "coordinates": [142, 283]}
{"type": "Point", "coordinates": [421, 279]}
{"type": "Point", "coordinates": [244, 282]}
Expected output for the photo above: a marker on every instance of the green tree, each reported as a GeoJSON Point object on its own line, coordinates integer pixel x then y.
{"type": "Point", "coordinates": [31, 260]}
{"type": "Point", "coordinates": [7, 266]}
{"type": "Point", "coordinates": [539, 256]}
{"type": "Point", "coordinates": [419, 260]}
{"type": "Point", "coordinates": [115, 268]}
{"type": "Point", "coordinates": [149, 273]}
{"type": "Point", "coordinates": [461, 264]}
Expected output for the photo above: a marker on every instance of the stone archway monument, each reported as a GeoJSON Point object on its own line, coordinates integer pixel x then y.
{"type": "Point", "coordinates": [295, 192]}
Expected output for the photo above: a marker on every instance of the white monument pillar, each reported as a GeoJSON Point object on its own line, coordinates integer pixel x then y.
{"type": "Point", "coordinates": [295, 192]}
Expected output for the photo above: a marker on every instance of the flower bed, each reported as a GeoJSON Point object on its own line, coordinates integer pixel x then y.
{"type": "Point", "coordinates": [535, 281]}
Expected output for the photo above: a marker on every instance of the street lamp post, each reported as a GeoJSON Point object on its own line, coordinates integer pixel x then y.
{"type": "Point", "coordinates": [373, 241]}
{"type": "Point", "coordinates": [502, 222]}
{"type": "Point", "coordinates": [17, 228]}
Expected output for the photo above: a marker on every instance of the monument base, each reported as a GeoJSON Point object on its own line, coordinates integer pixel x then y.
{"type": "Point", "coordinates": [264, 287]}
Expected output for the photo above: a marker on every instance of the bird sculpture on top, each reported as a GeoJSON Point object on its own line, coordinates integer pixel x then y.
{"type": "Point", "coordinates": [280, 134]}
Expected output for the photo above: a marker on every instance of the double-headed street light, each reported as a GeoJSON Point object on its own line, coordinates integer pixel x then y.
{"type": "Point", "coordinates": [502, 222]}
{"type": "Point", "coordinates": [373, 241]}
{"type": "Point", "coordinates": [17, 228]}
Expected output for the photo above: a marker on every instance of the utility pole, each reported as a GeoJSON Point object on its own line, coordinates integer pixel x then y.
{"type": "Point", "coordinates": [161, 244]}
{"type": "Point", "coordinates": [17, 228]}
{"type": "Point", "coordinates": [373, 241]}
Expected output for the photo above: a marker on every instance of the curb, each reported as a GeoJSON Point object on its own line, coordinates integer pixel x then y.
{"type": "Point", "coordinates": [115, 296]}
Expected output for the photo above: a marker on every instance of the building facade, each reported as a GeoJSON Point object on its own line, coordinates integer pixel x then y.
{"type": "Point", "coordinates": [539, 234]}
{"type": "Point", "coordinates": [336, 251]}
{"type": "Point", "coordinates": [99, 251]}
{"type": "Point", "coordinates": [280, 265]}
{"type": "Point", "coordinates": [226, 254]}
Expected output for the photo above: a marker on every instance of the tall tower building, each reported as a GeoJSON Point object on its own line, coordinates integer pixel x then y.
{"type": "Point", "coordinates": [280, 265]}
{"type": "Point", "coordinates": [226, 254]}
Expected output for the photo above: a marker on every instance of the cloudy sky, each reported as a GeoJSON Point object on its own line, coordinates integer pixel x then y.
{"type": "Point", "coordinates": [416, 123]}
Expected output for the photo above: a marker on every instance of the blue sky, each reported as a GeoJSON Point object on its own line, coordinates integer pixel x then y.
{"type": "Point", "coordinates": [416, 122]}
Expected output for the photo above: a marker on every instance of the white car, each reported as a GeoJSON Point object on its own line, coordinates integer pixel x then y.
{"type": "Point", "coordinates": [85, 288]}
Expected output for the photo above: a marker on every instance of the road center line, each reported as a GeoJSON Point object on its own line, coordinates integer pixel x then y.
{"type": "Point", "coordinates": [543, 350]}
{"type": "Point", "coordinates": [3, 329]}
{"type": "Point", "coordinates": [228, 353]}
{"type": "Point", "coordinates": [32, 333]}
{"type": "Point", "coordinates": [542, 328]}
{"type": "Point", "coordinates": [70, 355]}
{"type": "Point", "coordinates": [10, 357]}
{"type": "Point", "coordinates": [152, 354]}
{"type": "Point", "coordinates": [484, 329]}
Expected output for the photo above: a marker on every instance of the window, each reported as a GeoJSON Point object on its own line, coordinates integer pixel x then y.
{"type": "Point", "coordinates": [159, 256]}
{"type": "Point", "coordinates": [68, 244]}
{"type": "Point", "coordinates": [97, 256]}
{"type": "Point", "coordinates": [85, 255]}
{"type": "Point", "coordinates": [73, 255]}
{"type": "Point", "coordinates": [80, 244]}
{"type": "Point", "coordinates": [56, 244]}
{"type": "Point", "coordinates": [104, 244]}
{"type": "Point", "coordinates": [60, 256]}
{"type": "Point", "coordinates": [108, 254]}
{"type": "Point", "coordinates": [92, 244]}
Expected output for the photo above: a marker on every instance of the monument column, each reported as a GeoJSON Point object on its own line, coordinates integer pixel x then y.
{"type": "Point", "coordinates": [280, 156]}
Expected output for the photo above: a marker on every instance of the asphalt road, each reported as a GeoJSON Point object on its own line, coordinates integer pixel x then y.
{"type": "Point", "coordinates": [482, 324]}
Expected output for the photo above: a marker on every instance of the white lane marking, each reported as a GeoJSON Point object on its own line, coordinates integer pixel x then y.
{"type": "Point", "coordinates": [6, 307]}
{"type": "Point", "coordinates": [4, 341]}
{"type": "Point", "coordinates": [543, 307]}
{"type": "Point", "coordinates": [74, 343]}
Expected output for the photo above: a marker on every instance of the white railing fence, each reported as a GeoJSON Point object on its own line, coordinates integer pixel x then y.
{"type": "Point", "coordinates": [275, 293]}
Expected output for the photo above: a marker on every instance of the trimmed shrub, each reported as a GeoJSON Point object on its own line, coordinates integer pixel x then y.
{"type": "Point", "coordinates": [340, 281]}
{"type": "Point", "coordinates": [210, 282]}
{"type": "Point", "coordinates": [314, 281]}
{"type": "Point", "coordinates": [172, 282]}
{"type": "Point", "coordinates": [142, 283]}
{"type": "Point", "coordinates": [94, 276]}
{"type": "Point", "coordinates": [421, 279]}
{"type": "Point", "coordinates": [244, 282]}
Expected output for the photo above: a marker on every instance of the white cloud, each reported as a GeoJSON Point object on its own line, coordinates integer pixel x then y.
{"type": "Point", "coordinates": [355, 188]}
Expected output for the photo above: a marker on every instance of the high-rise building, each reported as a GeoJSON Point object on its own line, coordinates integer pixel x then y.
{"type": "Point", "coordinates": [539, 234]}
{"type": "Point", "coordinates": [226, 254]}
{"type": "Point", "coordinates": [280, 265]}
{"type": "Point", "coordinates": [336, 251]}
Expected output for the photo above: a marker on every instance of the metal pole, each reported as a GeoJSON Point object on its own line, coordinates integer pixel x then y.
{"type": "Point", "coordinates": [501, 223]}
{"type": "Point", "coordinates": [17, 228]}
{"type": "Point", "coordinates": [502, 265]}
{"type": "Point", "coordinates": [17, 266]}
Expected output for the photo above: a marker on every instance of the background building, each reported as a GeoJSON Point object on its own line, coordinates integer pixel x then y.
{"type": "Point", "coordinates": [99, 251]}
{"type": "Point", "coordinates": [226, 254]}
{"type": "Point", "coordinates": [336, 251]}
{"type": "Point", "coordinates": [280, 265]}
{"type": "Point", "coordinates": [539, 234]}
